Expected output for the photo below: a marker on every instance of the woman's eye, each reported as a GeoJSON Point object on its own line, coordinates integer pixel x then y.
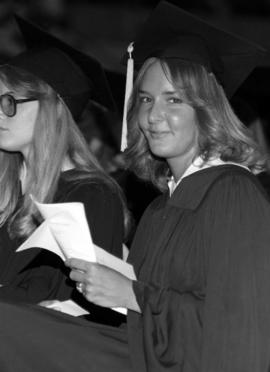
{"type": "Point", "coordinates": [175, 100]}
{"type": "Point", "coordinates": [144, 99]}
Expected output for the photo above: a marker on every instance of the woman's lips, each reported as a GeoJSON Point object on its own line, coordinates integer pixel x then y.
{"type": "Point", "coordinates": [158, 134]}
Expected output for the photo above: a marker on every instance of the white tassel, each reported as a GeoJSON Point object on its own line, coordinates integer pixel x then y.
{"type": "Point", "coordinates": [129, 86]}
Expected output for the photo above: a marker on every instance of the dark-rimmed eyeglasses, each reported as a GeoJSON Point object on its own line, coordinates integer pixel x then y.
{"type": "Point", "coordinates": [8, 103]}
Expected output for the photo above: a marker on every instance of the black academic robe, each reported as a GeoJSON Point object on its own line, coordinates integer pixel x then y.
{"type": "Point", "coordinates": [206, 306]}
{"type": "Point", "coordinates": [202, 260]}
{"type": "Point", "coordinates": [36, 274]}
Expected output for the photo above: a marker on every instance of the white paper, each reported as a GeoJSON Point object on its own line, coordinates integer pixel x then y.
{"type": "Point", "coordinates": [107, 259]}
{"type": "Point", "coordinates": [69, 307]}
{"type": "Point", "coordinates": [42, 238]}
{"type": "Point", "coordinates": [69, 227]}
{"type": "Point", "coordinates": [65, 232]}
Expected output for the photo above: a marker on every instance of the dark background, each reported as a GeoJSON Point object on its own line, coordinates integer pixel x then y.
{"type": "Point", "coordinates": [105, 28]}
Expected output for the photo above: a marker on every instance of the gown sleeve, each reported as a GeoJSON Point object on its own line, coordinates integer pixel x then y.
{"type": "Point", "coordinates": [236, 325]}
{"type": "Point", "coordinates": [170, 321]}
{"type": "Point", "coordinates": [171, 328]}
{"type": "Point", "coordinates": [227, 328]}
{"type": "Point", "coordinates": [45, 277]}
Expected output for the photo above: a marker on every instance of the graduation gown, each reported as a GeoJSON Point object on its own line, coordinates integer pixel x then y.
{"type": "Point", "coordinates": [35, 275]}
{"type": "Point", "coordinates": [204, 279]}
{"type": "Point", "coordinates": [202, 260]}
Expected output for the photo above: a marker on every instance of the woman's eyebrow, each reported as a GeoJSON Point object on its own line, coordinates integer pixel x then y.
{"type": "Point", "coordinates": [167, 92]}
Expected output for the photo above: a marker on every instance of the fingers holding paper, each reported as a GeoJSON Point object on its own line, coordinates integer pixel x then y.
{"type": "Point", "coordinates": [102, 285]}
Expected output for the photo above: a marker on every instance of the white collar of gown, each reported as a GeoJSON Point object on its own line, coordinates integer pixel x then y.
{"type": "Point", "coordinates": [196, 166]}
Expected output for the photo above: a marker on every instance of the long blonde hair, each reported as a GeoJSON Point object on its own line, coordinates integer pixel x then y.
{"type": "Point", "coordinates": [221, 133]}
{"type": "Point", "coordinates": [56, 137]}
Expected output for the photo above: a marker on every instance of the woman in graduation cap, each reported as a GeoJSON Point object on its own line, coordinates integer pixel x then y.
{"type": "Point", "coordinates": [200, 302]}
{"type": "Point", "coordinates": [43, 154]}
{"type": "Point", "coordinates": [204, 281]}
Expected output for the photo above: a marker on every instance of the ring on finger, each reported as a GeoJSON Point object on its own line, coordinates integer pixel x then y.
{"type": "Point", "coordinates": [79, 287]}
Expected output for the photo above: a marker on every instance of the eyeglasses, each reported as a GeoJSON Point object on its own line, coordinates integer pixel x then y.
{"type": "Point", "coordinates": [8, 104]}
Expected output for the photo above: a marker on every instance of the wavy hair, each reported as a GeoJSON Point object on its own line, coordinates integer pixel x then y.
{"type": "Point", "coordinates": [221, 133]}
{"type": "Point", "coordinates": [56, 137]}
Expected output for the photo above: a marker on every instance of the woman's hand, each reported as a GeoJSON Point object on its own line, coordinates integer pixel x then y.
{"type": "Point", "coordinates": [102, 285]}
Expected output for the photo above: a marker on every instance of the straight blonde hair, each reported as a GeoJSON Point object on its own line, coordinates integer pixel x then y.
{"type": "Point", "coordinates": [56, 137]}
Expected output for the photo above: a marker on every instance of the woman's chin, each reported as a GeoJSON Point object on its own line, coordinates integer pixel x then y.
{"type": "Point", "coordinates": [160, 151]}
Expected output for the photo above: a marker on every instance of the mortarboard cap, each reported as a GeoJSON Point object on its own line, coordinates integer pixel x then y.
{"type": "Point", "coordinates": [75, 76]}
{"type": "Point", "coordinates": [171, 32]}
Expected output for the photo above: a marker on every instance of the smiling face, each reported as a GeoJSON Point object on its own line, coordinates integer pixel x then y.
{"type": "Point", "coordinates": [168, 123]}
{"type": "Point", "coordinates": [16, 133]}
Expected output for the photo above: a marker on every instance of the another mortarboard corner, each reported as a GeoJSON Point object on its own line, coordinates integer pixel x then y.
{"type": "Point", "coordinates": [171, 32]}
{"type": "Point", "coordinates": [75, 76]}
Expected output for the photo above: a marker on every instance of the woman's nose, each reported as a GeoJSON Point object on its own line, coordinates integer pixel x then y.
{"type": "Point", "coordinates": [156, 113]}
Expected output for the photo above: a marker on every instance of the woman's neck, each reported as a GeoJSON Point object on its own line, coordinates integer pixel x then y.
{"type": "Point", "coordinates": [178, 166]}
